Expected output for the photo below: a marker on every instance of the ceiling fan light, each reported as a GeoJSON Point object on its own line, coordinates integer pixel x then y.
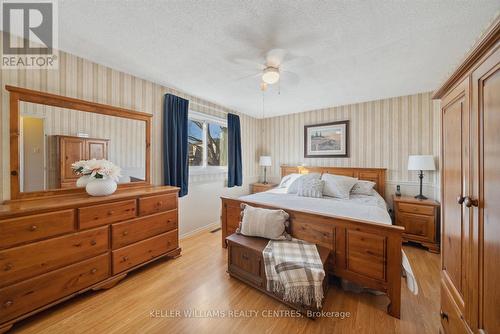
{"type": "Point", "coordinates": [271, 75]}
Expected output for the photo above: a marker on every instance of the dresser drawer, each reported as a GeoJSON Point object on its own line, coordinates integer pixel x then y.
{"type": "Point", "coordinates": [22, 262]}
{"type": "Point", "coordinates": [131, 231]}
{"type": "Point", "coordinates": [418, 225]}
{"type": "Point", "coordinates": [246, 264]}
{"type": "Point", "coordinates": [28, 295]}
{"type": "Point", "coordinates": [20, 230]}
{"type": "Point", "coordinates": [97, 215]}
{"type": "Point", "coordinates": [142, 251]}
{"type": "Point", "coordinates": [154, 204]}
{"type": "Point", "coordinates": [416, 208]}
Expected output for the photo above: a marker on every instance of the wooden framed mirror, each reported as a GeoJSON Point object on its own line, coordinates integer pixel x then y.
{"type": "Point", "coordinates": [49, 132]}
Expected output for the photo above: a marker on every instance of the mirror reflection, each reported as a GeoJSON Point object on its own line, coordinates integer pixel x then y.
{"type": "Point", "coordinates": [53, 138]}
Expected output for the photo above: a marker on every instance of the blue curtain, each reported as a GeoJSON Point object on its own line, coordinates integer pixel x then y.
{"type": "Point", "coordinates": [235, 172]}
{"type": "Point", "coordinates": [175, 140]}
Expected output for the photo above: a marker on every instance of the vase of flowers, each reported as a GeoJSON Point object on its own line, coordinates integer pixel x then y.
{"type": "Point", "coordinates": [101, 187]}
{"type": "Point", "coordinates": [100, 176]}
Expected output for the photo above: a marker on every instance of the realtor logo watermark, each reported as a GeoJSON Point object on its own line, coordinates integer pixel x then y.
{"type": "Point", "coordinates": [30, 39]}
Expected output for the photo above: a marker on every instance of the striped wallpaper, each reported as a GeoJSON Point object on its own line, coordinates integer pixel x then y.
{"type": "Point", "coordinates": [382, 134]}
{"type": "Point", "coordinates": [127, 137]}
{"type": "Point", "coordinates": [83, 79]}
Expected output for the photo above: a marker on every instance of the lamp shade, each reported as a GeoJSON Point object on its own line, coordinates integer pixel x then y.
{"type": "Point", "coordinates": [265, 160]}
{"type": "Point", "coordinates": [421, 162]}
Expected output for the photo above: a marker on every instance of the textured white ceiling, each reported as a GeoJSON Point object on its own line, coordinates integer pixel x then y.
{"type": "Point", "coordinates": [342, 51]}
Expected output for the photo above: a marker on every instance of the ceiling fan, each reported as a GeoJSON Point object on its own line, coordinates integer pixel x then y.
{"type": "Point", "coordinates": [274, 69]}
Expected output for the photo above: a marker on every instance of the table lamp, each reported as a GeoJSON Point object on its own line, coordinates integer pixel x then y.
{"type": "Point", "coordinates": [265, 161]}
{"type": "Point", "coordinates": [421, 163]}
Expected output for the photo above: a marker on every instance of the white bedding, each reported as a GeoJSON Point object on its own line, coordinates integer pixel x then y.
{"type": "Point", "coordinates": [362, 207]}
{"type": "Point", "coordinates": [371, 208]}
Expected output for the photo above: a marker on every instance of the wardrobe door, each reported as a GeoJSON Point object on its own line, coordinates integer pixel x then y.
{"type": "Point", "coordinates": [486, 191]}
{"type": "Point", "coordinates": [455, 224]}
{"type": "Point", "coordinates": [71, 149]}
{"type": "Point", "coordinates": [96, 149]}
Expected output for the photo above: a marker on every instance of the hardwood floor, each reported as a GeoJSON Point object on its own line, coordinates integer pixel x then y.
{"type": "Point", "coordinates": [197, 281]}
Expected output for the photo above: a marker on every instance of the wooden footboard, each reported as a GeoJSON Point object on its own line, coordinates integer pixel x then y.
{"type": "Point", "coordinates": [362, 252]}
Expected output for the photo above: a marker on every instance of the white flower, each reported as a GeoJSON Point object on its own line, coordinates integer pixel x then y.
{"type": "Point", "coordinates": [79, 167]}
{"type": "Point", "coordinates": [97, 169]}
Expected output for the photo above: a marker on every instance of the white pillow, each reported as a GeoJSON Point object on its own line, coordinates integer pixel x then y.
{"type": "Point", "coordinates": [265, 223]}
{"type": "Point", "coordinates": [294, 186]}
{"type": "Point", "coordinates": [338, 185]}
{"type": "Point", "coordinates": [288, 179]}
{"type": "Point", "coordinates": [363, 187]}
{"type": "Point", "coordinates": [310, 187]}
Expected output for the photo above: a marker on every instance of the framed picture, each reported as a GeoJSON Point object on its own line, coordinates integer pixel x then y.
{"type": "Point", "coordinates": [327, 140]}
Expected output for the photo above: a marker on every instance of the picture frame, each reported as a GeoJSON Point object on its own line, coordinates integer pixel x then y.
{"type": "Point", "coordinates": [327, 140]}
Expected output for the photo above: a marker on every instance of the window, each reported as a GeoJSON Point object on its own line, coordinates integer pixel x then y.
{"type": "Point", "coordinates": [207, 142]}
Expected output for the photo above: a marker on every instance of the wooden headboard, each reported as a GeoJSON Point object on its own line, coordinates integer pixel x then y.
{"type": "Point", "coordinates": [376, 175]}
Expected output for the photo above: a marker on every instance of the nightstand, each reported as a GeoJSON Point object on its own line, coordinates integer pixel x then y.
{"type": "Point", "coordinates": [259, 187]}
{"type": "Point", "coordinates": [420, 218]}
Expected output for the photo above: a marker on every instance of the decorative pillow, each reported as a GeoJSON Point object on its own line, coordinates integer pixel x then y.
{"type": "Point", "coordinates": [294, 186]}
{"type": "Point", "coordinates": [265, 223]}
{"type": "Point", "coordinates": [338, 185]}
{"type": "Point", "coordinates": [363, 188]}
{"type": "Point", "coordinates": [288, 179]}
{"type": "Point", "coordinates": [310, 187]}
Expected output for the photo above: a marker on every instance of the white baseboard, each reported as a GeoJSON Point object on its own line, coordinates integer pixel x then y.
{"type": "Point", "coordinates": [208, 227]}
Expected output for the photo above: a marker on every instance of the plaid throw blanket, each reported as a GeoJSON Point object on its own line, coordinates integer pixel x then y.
{"type": "Point", "coordinates": [294, 270]}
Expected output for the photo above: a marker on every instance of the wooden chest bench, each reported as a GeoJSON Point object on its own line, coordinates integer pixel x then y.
{"type": "Point", "coordinates": [246, 263]}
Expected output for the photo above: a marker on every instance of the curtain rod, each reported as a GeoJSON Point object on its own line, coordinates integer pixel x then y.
{"type": "Point", "coordinates": [211, 107]}
{"type": "Point", "coordinates": [215, 107]}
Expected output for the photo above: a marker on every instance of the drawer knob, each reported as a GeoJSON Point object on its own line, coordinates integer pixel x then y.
{"type": "Point", "coordinates": [443, 315]}
{"type": "Point", "coordinates": [244, 256]}
{"type": "Point", "coordinates": [110, 212]}
{"type": "Point", "coordinates": [125, 233]}
{"type": "Point", "coordinates": [33, 227]}
{"type": "Point", "coordinates": [93, 242]}
{"type": "Point", "coordinates": [460, 199]}
{"type": "Point", "coordinates": [8, 266]}
{"type": "Point", "coordinates": [169, 221]}
{"type": "Point", "coordinates": [159, 203]}
{"type": "Point", "coordinates": [8, 303]}
{"type": "Point", "coordinates": [93, 271]}
{"type": "Point", "coordinates": [125, 258]}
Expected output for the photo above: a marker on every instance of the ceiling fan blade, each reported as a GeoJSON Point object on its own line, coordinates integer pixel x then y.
{"type": "Point", "coordinates": [298, 62]}
{"type": "Point", "coordinates": [288, 77]}
{"type": "Point", "coordinates": [249, 76]}
{"type": "Point", "coordinates": [248, 63]}
{"type": "Point", "coordinates": [275, 57]}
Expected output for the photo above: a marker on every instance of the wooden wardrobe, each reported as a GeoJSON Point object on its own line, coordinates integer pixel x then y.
{"type": "Point", "coordinates": [73, 149]}
{"type": "Point", "coordinates": [470, 176]}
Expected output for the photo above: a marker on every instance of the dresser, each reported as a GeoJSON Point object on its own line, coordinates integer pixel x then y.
{"type": "Point", "coordinates": [420, 218]}
{"type": "Point", "coordinates": [52, 248]}
{"type": "Point", "coordinates": [470, 176]}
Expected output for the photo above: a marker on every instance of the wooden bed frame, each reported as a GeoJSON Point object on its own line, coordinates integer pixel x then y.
{"type": "Point", "coordinates": [362, 252]}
